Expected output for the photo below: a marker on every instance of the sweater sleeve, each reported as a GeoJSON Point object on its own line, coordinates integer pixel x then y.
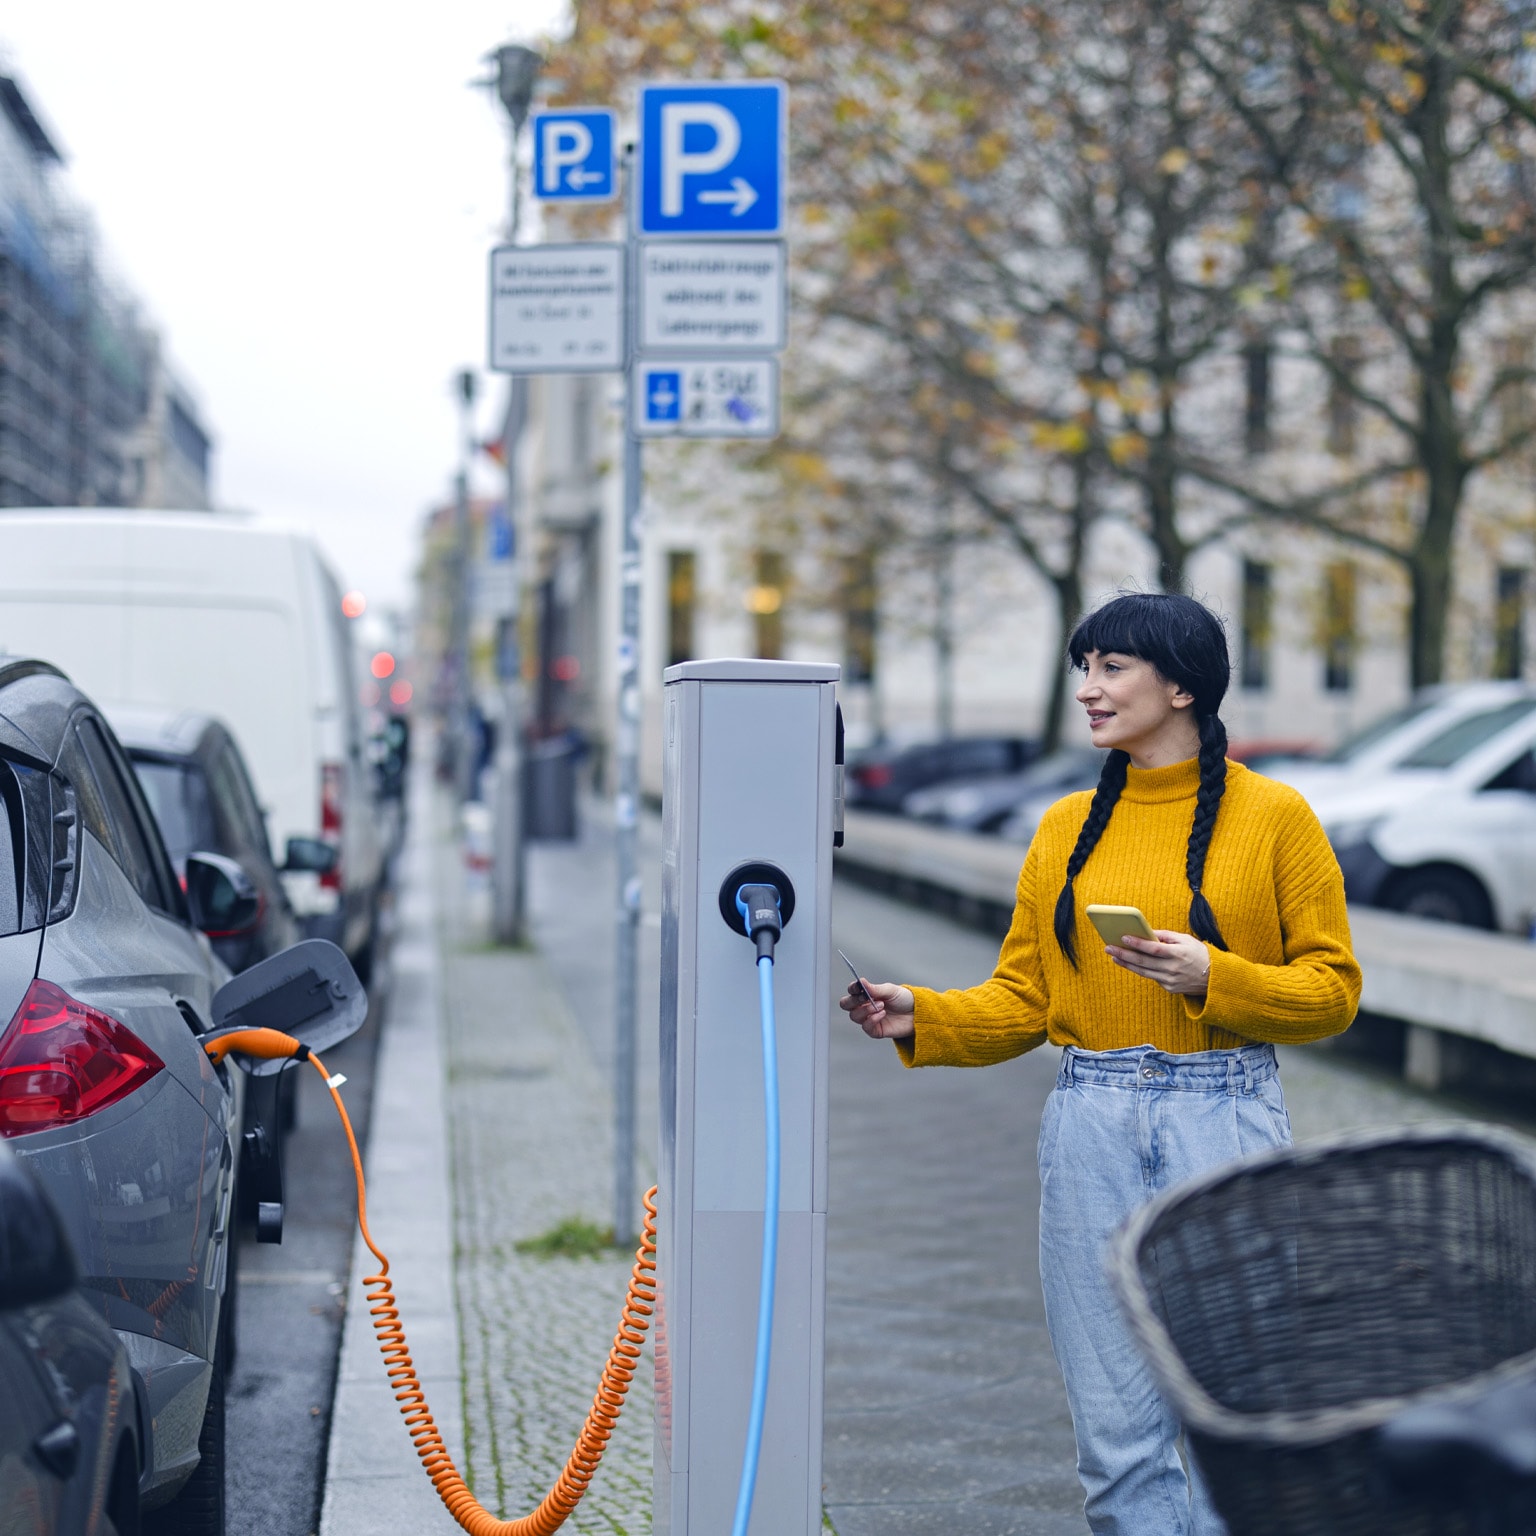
{"type": "Point", "coordinates": [1004, 1016]}
{"type": "Point", "coordinates": [1316, 991]}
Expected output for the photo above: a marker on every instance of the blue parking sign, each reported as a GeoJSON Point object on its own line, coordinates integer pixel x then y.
{"type": "Point", "coordinates": [663, 396]}
{"type": "Point", "coordinates": [712, 158]}
{"type": "Point", "coordinates": [573, 159]}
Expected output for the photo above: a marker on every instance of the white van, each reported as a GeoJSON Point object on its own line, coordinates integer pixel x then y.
{"type": "Point", "coordinates": [228, 615]}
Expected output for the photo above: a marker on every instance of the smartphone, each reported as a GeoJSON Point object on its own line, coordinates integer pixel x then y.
{"type": "Point", "coordinates": [1114, 923]}
{"type": "Point", "coordinates": [858, 988]}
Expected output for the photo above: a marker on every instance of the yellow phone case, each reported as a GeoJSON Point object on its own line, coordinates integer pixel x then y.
{"type": "Point", "coordinates": [1114, 923]}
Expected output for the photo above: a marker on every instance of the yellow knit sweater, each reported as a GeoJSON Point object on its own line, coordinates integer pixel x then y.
{"type": "Point", "coordinates": [1288, 974]}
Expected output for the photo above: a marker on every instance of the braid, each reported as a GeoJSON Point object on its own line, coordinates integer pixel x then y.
{"type": "Point", "coordinates": [1105, 797]}
{"type": "Point", "coordinates": [1213, 784]}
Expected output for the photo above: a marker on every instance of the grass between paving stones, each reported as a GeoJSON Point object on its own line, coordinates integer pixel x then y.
{"type": "Point", "coordinates": [573, 1238]}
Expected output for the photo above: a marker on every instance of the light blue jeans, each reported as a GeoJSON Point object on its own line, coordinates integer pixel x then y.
{"type": "Point", "coordinates": [1121, 1127]}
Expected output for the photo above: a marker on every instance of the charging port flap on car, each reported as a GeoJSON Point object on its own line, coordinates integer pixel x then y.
{"type": "Point", "coordinates": [309, 991]}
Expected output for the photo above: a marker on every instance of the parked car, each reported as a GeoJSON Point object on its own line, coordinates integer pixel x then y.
{"type": "Point", "coordinates": [879, 779]}
{"type": "Point", "coordinates": [1386, 742]}
{"type": "Point", "coordinates": [195, 780]}
{"type": "Point", "coordinates": [70, 1443]}
{"type": "Point", "coordinates": [983, 805]}
{"type": "Point", "coordinates": [110, 986]}
{"type": "Point", "coordinates": [233, 617]}
{"type": "Point", "coordinates": [1450, 831]}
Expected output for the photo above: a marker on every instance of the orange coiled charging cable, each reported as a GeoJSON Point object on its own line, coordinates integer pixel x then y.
{"type": "Point", "coordinates": [618, 1372]}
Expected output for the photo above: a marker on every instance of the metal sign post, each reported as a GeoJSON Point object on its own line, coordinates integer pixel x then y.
{"type": "Point", "coordinates": [694, 324]}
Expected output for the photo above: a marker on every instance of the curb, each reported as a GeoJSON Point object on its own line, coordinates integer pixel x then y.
{"type": "Point", "coordinates": [373, 1479]}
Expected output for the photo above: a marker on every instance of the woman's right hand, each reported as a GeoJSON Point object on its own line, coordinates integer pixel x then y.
{"type": "Point", "coordinates": [888, 1017]}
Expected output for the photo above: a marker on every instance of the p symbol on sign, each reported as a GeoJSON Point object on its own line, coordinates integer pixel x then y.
{"type": "Point", "coordinates": [567, 144]}
{"type": "Point", "coordinates": [678, 162]}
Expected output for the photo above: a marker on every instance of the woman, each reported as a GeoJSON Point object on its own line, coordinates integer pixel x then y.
{"type": "Point", "coordinates": [1167, 1064]}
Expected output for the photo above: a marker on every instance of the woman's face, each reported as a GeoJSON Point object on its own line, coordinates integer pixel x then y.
{"type": "Point", "coordinates": [1133, 707]}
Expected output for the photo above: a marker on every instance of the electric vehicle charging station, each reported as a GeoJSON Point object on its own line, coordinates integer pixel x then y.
{"type": "Point", "coordinates": [750, 790]}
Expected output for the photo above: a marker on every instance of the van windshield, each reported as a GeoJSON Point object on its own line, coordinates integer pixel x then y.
{"type": "Point", "coordinates": [1467, 735]}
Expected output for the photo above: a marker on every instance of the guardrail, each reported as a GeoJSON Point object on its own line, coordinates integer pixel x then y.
{"type": "Point", "coordinates": [1449, 986]}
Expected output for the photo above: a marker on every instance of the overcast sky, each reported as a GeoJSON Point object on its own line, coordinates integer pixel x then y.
{"type": "Point", "coordinates": [303, 197]}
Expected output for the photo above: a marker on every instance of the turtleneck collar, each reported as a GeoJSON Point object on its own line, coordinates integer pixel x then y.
{"type": "Point", "coordinates": [1150, 786]}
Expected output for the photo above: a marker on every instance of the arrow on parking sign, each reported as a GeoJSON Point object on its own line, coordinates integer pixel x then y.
{"type": "Point", "coordinates": [741, 193]}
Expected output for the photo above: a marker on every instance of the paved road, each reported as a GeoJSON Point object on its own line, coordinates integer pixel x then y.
{"type": "Point", "coordinates": [291, 1304]}
{"type": "Point", "coordinates": [945, 1411]}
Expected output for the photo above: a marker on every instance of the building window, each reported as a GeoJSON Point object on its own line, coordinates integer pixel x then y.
{"type": "Point", "coordinates": [765, 602]}
{"type": "Point", "coordinates": [1258, 624]}
{"type": "Point", "coordinates": [860, 607]}
{"type": "Point", "coordinates": [1256, 408]}
{"type": "Point", "coordinates": [682, 604]}
{"type": "Point", "coordinates": [1343, 407]}
{"type": "Point", "coordinates": [1340, 626]}
{"type": "Point", "coordinates": [1509, 622]}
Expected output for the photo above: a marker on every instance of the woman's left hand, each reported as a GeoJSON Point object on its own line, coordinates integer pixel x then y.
{"type": "Point", "coordinates": [1178, 962]}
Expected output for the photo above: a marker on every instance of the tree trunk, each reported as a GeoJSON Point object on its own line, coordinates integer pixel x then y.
{"type": "Point", "coordinates": [1068, 589]}
{"type": "Point", "coordinates": [1162, 516]}
{"type": "Point", "coordinates": [944, 631]}
{"type": "Point", "coordinates": [1431, 570]}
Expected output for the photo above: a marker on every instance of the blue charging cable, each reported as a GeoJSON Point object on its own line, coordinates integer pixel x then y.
{"type": "Point", "coordinates": [754, 1445]}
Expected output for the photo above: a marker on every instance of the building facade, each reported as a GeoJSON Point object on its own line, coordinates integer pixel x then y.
{"type": "Point", "coordinates": [90, 413]}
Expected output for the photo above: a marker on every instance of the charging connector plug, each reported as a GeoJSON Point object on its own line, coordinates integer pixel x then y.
{"type": "Point", "coordinates": [759, 909]}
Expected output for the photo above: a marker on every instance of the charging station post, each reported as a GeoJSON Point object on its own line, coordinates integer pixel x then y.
{"type": "Point", "coordinates": [749, 781]}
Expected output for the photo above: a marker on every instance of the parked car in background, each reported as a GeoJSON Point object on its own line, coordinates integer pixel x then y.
{"type": "Point", "coordinates": [70, 1446]}
{"type": "Point", "coordinates": [879, 778]}
{"type": "Point", "coordinates": [195, 779]}
{"type": "Point", "coordinates": [983, 805]}
{"type": "Point", "coordinates": [1385, 743]}
{"type": "Point", "coordinates": [107, 980]}
{"type": "Point", "coordinates": [235, 618]}
{"type": "Point", "coordinates": [196, 783]}
{"type": "Point", "coordinates": [1449, 831]}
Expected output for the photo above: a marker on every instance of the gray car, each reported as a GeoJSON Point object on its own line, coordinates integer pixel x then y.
{"type": "Point", "coordinates": [109, 984]}
{"type": "Point", "coordinates": [69, 1436]}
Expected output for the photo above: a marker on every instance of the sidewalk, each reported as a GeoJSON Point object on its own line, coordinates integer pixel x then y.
{"type": "Point", "coordinates": [492, 1126]}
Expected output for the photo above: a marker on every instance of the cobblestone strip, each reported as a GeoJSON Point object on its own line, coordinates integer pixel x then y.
{"type": "Point", "coordinates": [531, 1138]}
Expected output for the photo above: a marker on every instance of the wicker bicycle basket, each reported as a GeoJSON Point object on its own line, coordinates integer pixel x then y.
{"type": "Point", "coordinates": [1290, 1305]}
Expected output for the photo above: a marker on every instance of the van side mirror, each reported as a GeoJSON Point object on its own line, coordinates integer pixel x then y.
{"type": "Point", "coordinates": [221, 897]}
{"type": "Point", "coordinates": [309, 991]}
{"type": "Point", "coordinates": [36, 1262]}
{"type": "Point", "coordinates": [310, 856]}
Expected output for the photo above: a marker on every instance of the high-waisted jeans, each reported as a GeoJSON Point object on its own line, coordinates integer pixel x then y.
{"type": "Point", "coordinates": [1121, 1127]}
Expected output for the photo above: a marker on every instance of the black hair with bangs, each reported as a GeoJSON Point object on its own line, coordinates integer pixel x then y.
{"type": "Point", "coordinates": [1187, 645]}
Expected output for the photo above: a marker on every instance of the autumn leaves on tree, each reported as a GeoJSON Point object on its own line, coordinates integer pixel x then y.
{"type": "Point", "coordinates": [1188, 265]}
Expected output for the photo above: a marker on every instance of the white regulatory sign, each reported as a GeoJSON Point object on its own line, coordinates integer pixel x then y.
{"type": "Point", "coordinates": [557, 308]}
{"type": "Point", "coordinates": [706, 397]}
{"type": "Point", "coordinates": [712, 296]}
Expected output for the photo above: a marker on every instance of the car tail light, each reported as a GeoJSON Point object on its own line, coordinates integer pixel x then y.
{"type": "Point", "coordinates": [61, 1060]}
{"type": "Point", "coordinates": [330, 819]}
{"type": "Point", "coordinates": [875, 776]}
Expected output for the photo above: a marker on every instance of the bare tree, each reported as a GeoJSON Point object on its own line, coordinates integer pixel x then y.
{"type": "Point", "coordinates": [1409, 225]}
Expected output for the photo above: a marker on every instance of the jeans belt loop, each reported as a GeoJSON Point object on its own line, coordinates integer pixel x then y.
{"type": "Point", "coordinates": [1247, 1075]}
{"type": "Point", "coordinates": [1232, 1088]}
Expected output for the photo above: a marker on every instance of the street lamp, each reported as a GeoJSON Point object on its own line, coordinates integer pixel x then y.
{"type": "Point", "coordinates": [517, 70]}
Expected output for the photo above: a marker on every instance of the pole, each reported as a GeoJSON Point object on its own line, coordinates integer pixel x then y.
{"type": "Point", "coordinates": [463, 749]}
{"type": "Point", "coordinates": [516, 70]}
{"type": "Point", "coordinates": [508, 863]}
{"type": "Point", "coordinates": [626, 803]}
